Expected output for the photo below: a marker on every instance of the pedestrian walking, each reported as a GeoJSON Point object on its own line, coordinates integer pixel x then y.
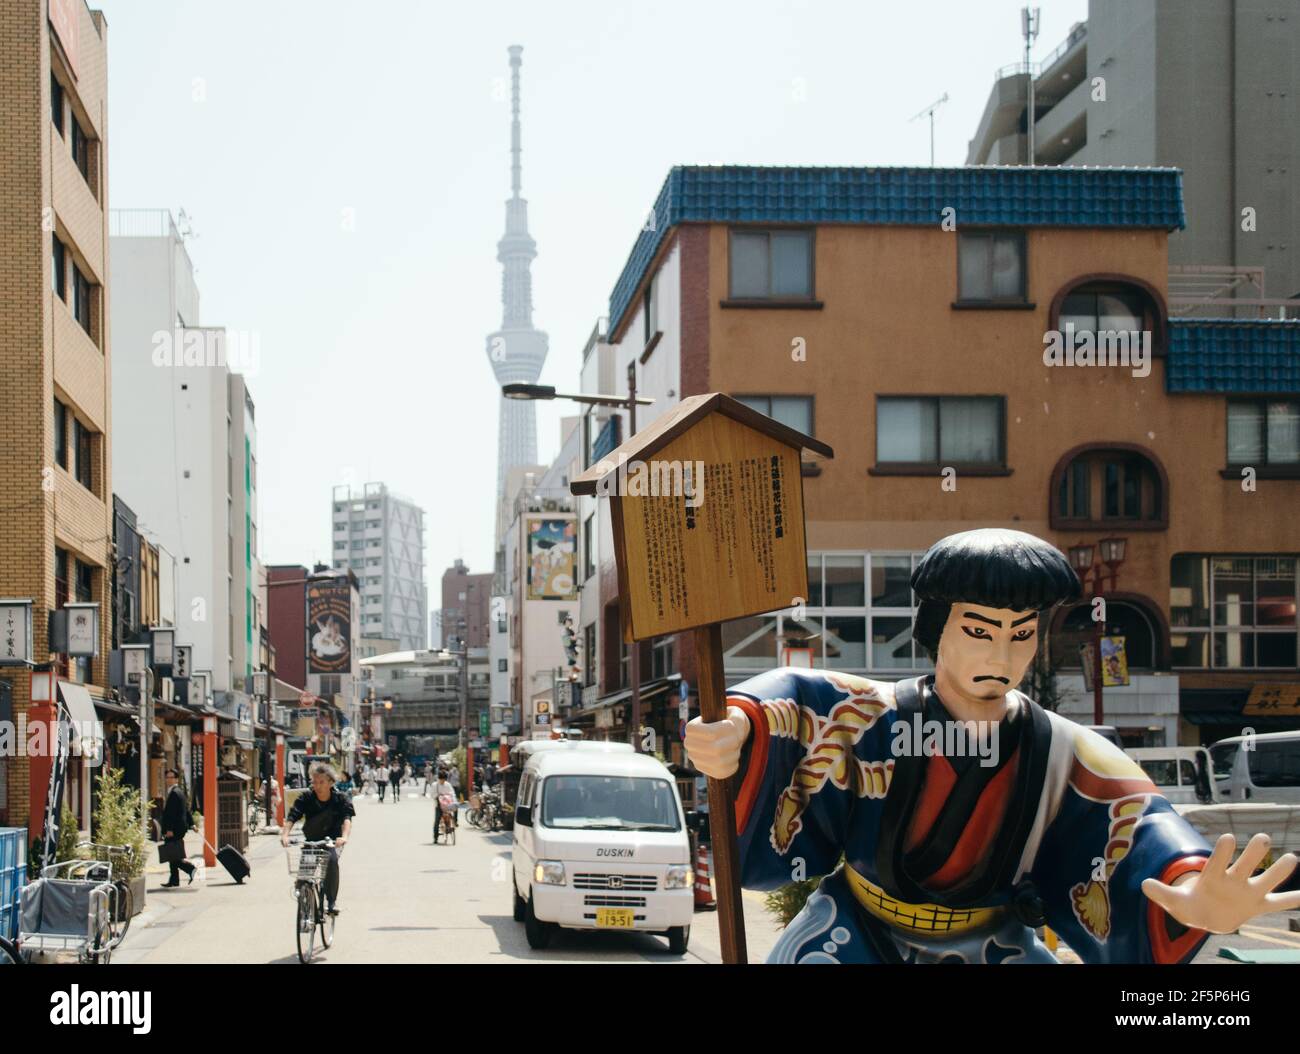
{"type": "Point", "coordinates": [428, 778]}
{"type": "Point", "coordinates": [381, 779]}
{"type": "Point", "coordinates": [395, 778]}
{"type": "Point", "coordinates": [453, 777]}
{"type": "Point", "coordinates": [176, 820]}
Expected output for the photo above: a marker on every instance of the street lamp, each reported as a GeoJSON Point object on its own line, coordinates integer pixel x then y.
{"type": "Point", "coordinates": [629, 403]}
{"type": "Point", "coordinates": [1111, 551]}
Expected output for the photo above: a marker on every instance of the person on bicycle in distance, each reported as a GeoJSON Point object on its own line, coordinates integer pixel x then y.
{"type": "Point", "coordinates": [328, 814]}
{"type": "Point", "coordinates": [442, 790]}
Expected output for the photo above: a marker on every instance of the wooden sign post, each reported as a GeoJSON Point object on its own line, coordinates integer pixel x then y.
{"type": "Point", "coordinates": [707, 511]}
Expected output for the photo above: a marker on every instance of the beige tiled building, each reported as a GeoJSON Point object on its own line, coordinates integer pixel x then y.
{"type": "Point", "coordinates": [54, 355]}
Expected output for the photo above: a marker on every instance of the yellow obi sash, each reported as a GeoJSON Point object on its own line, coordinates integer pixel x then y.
{"type": "Point", "coordinates": [929, 919]}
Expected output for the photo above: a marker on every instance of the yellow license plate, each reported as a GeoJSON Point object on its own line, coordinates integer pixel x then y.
{"type": "Point", "coordinates": [621, 918]}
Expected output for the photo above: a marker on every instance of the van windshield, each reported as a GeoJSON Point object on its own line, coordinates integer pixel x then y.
{"type": "Point", "coordinates": [609, 803]}
{"type": "Point", "coordinates": [1222, 756]}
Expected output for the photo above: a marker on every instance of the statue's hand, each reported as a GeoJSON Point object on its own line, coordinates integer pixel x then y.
{"type": "Point", "coordinates": [1221, 897]}
{"type": "Point", "coordinates": [715, 746]}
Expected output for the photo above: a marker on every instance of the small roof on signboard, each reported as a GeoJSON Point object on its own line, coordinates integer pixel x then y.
{"type": "Point", "coordinates": [660, 433]}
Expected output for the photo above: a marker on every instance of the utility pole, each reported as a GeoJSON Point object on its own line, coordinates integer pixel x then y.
{"type": "Point", "coordinates": [1029, 28]}
{"type": "Point", "coordinates": [462, 662]}
{"type": "Point", "coordinates": [634, 656]}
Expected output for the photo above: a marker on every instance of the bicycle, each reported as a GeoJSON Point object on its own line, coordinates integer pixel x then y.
{"type": "Point", "coordinates": [256, 815]}
{"type": "Point", "coordinates": [309, 891]}
{"type": "Point", "coordinates": [447, 817]}
{"type": "Point", "coordinates": [9, 954]}
{"type": "Point", "coordinates": [122, 905]}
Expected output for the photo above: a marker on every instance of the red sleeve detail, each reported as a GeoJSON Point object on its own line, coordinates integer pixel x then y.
{"type": "Point", "coordinates": [759, 735]}
{"type": "Point", "coordinates": [1163, 949]}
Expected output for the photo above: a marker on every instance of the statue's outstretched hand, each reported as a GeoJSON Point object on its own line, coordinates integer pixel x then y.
{"type": "Point", "coordinates": [1224, 895]}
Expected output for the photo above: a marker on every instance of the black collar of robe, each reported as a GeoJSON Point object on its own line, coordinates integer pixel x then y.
{"type": "Point", "coordinates": [992, 882]}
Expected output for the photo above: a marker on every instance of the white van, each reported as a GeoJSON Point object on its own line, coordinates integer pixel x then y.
{"type": "Point", "coordinates": [1181, 774]}
{"type": "Point", "coordinates": [600, 842]}
{"type": "Point", "coordinates": [1264, 767]}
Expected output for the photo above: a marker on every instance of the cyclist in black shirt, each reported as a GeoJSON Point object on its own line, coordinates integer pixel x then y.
{"type": "Point", "coordinates": [326, 812]}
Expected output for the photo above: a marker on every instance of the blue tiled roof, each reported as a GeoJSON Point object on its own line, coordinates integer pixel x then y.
{"type": "Point", "coordinates": [1009, 196]}
{"type": "Point", "coordinates": [1233, 355]}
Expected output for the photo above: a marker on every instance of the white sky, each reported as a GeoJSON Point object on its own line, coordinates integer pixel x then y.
{"type": "Point", "coordinates": [372, 340]}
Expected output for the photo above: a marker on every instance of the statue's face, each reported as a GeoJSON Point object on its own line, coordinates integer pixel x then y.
{"type": "Point", "coordinates": [984, 652]}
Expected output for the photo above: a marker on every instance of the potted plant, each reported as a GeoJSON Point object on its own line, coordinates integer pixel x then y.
{"type": "Point", "coordinates": [117, 822]}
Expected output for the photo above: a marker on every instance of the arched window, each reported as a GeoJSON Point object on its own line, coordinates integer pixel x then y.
{"type": "Point", "coordinates": [1102, 486]}
{"type": "Point", "coordinates": [1111, 302]}
{"type": "Point", "coordinates": [1143, 634]}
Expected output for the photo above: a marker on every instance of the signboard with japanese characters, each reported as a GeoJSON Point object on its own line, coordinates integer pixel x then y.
{"type": "Point", "coordinates": [183, 657]}
{"type": "Point", "coordinates": [15, 632]}
{"type": "Point", "coordinates": [1277, 700]}
{"type": "Point", "coordinates": [83, 629]}
{"type": "Point", "coordinates": [707, 509]}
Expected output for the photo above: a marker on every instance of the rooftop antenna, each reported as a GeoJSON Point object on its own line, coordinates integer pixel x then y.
{"type": "Point", "coordinates": [1029, 29]}
{"type": "Point", "coordinates": [929, 112]}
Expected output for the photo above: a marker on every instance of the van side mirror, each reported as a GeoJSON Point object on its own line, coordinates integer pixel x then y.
{"type": "Point", "coordinates": [524, 816]}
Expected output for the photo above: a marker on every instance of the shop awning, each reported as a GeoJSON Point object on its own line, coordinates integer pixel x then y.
{"type": "Point", "coordinates": [649, 690]}
{"type": "Point", "coordinates": [81, 712]}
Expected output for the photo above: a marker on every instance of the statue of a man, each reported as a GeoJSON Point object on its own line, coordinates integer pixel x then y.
{"type": "Point", "coordinates": [951, 814]}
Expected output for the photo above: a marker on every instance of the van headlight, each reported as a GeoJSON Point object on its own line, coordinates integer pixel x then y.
{"type": "Point", "coordinates": [679, 876]}
{"type": "Point", "coordinates": [549, 872]}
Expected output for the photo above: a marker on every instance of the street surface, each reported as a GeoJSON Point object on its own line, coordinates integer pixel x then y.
{"type": "Point", "coordinates": [401, 899]}
{"type": "Point", "coordinates": [404, 899]}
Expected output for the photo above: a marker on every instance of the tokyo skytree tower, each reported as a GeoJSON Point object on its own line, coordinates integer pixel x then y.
{"type": "Point", "coordinates": [517, 350]}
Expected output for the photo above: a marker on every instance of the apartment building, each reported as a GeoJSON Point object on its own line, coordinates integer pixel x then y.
{"type": "Point", "coordinates": [55, 470]}
{"type": "Point", "coordinates": [379, 536]}
{"type": "Point", "coordinates": [1207, 86]}
{"type": "Point", "coordinates": [466, 601]}
{"type": "Point", "coordinates": [185, 449]}
{"type": "Point", "coordinates": [906, 318]}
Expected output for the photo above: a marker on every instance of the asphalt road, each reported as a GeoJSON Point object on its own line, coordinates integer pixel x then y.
{"type": "Point", "coordinates": [402, 900]}
{"type": "Point", "coordinates": [405, 900]}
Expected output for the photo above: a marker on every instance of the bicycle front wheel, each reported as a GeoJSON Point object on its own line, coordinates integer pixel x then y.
{"type": "Point", "coordinates": [326, 927]}
{"type": "Point", "coordinates": [306, 923]}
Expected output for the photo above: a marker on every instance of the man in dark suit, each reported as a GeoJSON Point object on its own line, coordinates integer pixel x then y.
{"type": "Point", "coordinates": [176, 821]}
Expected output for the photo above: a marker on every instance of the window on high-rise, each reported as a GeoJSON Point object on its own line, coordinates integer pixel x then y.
{"type": "Point", "coordinates": [56, 103]}
{"type": "Point", "coordinates": [59, 270]}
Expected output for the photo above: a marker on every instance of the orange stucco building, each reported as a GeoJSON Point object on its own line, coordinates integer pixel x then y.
{"type": "Point", "coordinates": [902, 316]}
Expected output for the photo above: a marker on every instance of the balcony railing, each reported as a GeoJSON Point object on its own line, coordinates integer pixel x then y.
{"type": "Point", "coordinates": [141, 223]}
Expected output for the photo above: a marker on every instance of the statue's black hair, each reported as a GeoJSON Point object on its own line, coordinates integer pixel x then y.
{"type": "Point", "coordinates": [992, 567]}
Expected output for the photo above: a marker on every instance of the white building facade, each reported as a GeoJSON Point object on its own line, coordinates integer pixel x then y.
{"type": "Point", "coordinates": [379, 536]}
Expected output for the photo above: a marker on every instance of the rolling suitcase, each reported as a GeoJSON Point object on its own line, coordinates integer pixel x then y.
{"type": "Point", "coordinates": [233, 861]}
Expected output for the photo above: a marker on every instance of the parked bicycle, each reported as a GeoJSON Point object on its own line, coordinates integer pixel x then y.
{"type": "Point", "coordinates": [256, 815]}
{"type": "Point", "coordinates": [309, 891]}
{"type": "Point", "coordinates": [485, 811]}
{"type": "Point", "coordinates": [8, 954]}
{"type": "Point", "coordinates": [113, 866]}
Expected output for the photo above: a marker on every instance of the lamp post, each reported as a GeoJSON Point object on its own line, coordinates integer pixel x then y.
{"type": "Point", "coordinates": [629, 403]}
{"type": "Point", "coordinates": [1081, 559]}
{"type": "Point", "coordinates": [138, 672]}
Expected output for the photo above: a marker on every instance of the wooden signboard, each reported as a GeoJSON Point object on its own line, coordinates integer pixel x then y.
{"type": "Point", "coordinates": [707, 511]}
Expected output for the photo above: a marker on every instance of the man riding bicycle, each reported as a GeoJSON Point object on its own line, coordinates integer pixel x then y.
{"type": "Point", "coordinates": [326, 812]}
